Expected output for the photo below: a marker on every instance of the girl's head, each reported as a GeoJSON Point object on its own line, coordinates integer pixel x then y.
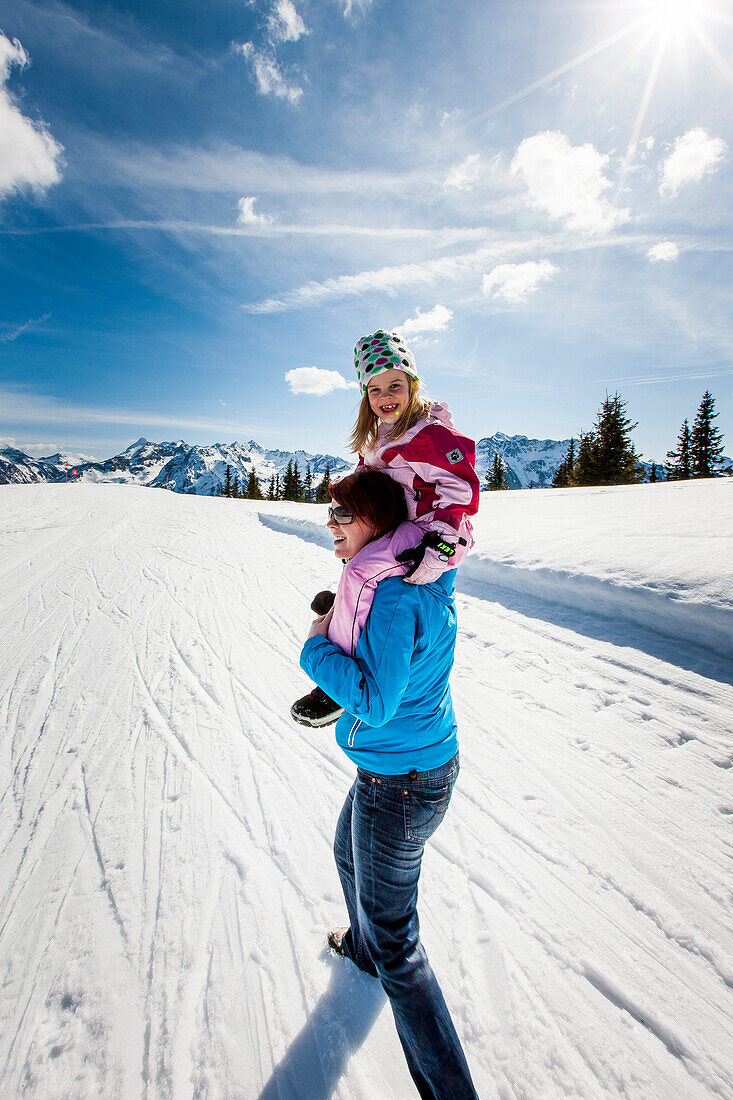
{"type": "Point", "coordinates": [364, 506]}
{"type": "Point", "coordinates": [390, 388]}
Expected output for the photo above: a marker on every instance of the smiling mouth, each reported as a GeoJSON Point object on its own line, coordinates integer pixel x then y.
{"type": "Point", "coordinates": [388, 408]}
{"type": "Point", "coordinates": [339, 538]}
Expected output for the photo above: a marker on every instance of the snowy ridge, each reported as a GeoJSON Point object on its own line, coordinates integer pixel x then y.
{"type": "Point", "coordinates": [176, 465]}
{"type": "Point", "coordinates": [527, 461]}
{"type": "Point", "coordinates": [687, 622]}
{"type": "Point", "coordinates": [201, 469]}
{"type": "Point", "coordinates": [166, 867]}
{"type": "Point", "coordinates": [677, 600]}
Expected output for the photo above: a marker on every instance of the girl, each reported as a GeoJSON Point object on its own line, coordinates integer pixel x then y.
{"type": "Point", "coordinates": [400, 431]}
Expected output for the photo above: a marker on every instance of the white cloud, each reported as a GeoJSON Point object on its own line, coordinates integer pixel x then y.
{"type": "Point", "coordinates": [29, 156]}
{"type": "Point", "coordinates": [317, 382]}
{"type": "Point", "coordinates": [39, 450]}
{"type": "Point", "coordinates": [284, 23]}
{"type": "Point", "coordinates": [695, 154]}
{"type": "Point", "coordinates": [269, 77]}
{"type": "Point", "coordinates": [567, 182]}
{"type": "Point", "coordinates": [665, 250]}
{"type": "Point", "coordinates": [247, 215]}
{"type": "Point", "coordinates": [435, 320]}
{"type": "Point", "coordinates": [675, 376]}
{"type": "Point", "coordinates": [383, 279]}
{"type": "Point", "coordinates": [223, 168]}
{"type": "Point", "coordinates": [354, 8]}
{"type": "Point", "coordinates": [514, 282]}
{"type": "Point", "coordinates": [45, 450]}
{"type": "Point", "coordinates": [25, 407]}
{"type": "Point", "coordinates": [464, 175]}
{"type": "Point", "coordinates": [8, 333]}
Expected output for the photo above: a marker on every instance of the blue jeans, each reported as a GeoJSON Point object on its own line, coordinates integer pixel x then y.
{"type": "Point", "coordinates": [380, 837]}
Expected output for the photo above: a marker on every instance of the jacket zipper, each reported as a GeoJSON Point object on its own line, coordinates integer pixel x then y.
{"type": "Point", "coordinates": [352, 731]}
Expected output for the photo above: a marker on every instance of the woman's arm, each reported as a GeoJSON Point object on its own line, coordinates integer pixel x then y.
{"type": "Point", "coordinates": [370, 686]}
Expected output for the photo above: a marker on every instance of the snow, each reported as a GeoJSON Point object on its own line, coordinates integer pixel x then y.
{"type": "Point", "coordinates": [166, 874]}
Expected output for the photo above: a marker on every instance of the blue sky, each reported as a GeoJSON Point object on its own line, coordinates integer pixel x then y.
{"type": "Point", "coordinates": [204, 203]}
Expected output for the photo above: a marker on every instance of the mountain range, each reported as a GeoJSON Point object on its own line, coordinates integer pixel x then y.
{"type": "Point", "coordinates": [174, 465]}
{"type": "Point", "coordinates": [187, 468]}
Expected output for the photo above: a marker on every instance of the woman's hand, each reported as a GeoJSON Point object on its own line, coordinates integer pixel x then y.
{"type": "Point", "coordinates": [319, 626]}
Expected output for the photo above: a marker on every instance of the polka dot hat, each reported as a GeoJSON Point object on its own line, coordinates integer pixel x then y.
{"type": "Point", "coordinates": [379, 352]}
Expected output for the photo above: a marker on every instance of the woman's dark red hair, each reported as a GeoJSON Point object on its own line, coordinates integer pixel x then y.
{"type": "Point", "coordinates": [372, 496]}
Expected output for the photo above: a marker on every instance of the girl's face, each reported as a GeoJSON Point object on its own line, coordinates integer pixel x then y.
{"type": "Point", "coordinates": [350, 537]}
{"type": "Point", "coordinates": [389, 394]}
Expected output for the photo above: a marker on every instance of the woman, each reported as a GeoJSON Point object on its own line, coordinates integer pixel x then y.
{"type": "Point", "coordinates": [399, 728]}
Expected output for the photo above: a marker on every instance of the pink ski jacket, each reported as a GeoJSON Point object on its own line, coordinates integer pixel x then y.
{"type": "Point", "coordinates": [359, 579]}
{"type": "Point", "coordinates": [434, 463]}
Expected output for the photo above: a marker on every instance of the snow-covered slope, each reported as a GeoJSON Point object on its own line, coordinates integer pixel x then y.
{"type": "Point", "coordinates": [166, 875]}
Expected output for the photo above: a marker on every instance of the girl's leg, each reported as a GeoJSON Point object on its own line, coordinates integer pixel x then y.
{"type": "Point", "coordinates": [390, 822]}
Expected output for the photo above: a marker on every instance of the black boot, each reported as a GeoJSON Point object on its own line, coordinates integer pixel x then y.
{"type": "Point", "coordinates": [316, 709]}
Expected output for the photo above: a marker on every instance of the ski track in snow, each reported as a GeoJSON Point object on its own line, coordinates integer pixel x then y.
{"type": "Point", "coordinates": [167, 879]}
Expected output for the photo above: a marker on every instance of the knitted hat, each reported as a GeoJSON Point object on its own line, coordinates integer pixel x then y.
{"type": "Point", "coordinates": [380, 352]}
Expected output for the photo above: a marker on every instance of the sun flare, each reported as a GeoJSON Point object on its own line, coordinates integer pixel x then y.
{"type": "Point", "coordinates": [673, 16]}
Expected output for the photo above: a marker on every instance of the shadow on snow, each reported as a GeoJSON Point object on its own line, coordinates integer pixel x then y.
{"type": "Point", "coordinates": [692, 636]}
{"type": "Point", "coordinates": [318, 1056]}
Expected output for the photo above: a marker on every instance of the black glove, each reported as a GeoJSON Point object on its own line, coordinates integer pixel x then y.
{"type": "Point", "coordinates": [431, 540]}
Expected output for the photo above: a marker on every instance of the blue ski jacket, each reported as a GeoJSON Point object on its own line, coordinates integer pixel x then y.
{"type": "Point", "coordinates": [398, 712]}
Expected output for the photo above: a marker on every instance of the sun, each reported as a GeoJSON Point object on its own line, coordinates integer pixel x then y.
{"type": "Point", "coordinates": [663, 25]}
{"type": "Point", "coordinates": [673, 16]}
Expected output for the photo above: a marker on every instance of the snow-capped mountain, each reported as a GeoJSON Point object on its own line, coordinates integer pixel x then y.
{"type": "Point", "coordinates": [196, 469]}
{"type": "Point", "coordinates": [528, 461]}
{"type": "Point", "coordinates": [175, 465]}
{"type": "Point", "coordinates": [17, 468]}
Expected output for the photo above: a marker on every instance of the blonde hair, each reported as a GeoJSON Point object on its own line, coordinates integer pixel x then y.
{"type": "Point", "coordinates": [366, 429]}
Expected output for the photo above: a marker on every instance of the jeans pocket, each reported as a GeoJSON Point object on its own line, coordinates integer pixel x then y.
{"type": "Point", "coordinates": [424, 810]}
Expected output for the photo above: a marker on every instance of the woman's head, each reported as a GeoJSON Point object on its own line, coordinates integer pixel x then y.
{"type": "Point", "coordinates": [367, 504]}
{"type": "Point", "coordinates": [391, 394]}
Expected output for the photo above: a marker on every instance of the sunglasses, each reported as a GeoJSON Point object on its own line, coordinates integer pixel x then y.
{"type": "Point", "coordinates": [340, 515]}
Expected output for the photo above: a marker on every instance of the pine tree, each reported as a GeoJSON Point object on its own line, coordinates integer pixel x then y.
{"type": "Point", "coordinates": [564, 472]}
{"type": "Point", "coordinates": [271, 489]}
{"type": "Point", "coordinates": [585, 468]}
{"type": "Point", "coordinates": [679, 466]}
{"type": "Point", "coordinates": [226, 489]}
{"type": "Point", "coordinates": [618, 462]}
{"type": "Point", "coordinates": [653, 474]}
{"type": "Point", "coordinates": [496, 478]}
{"type": "Point", "coordinates": [297, 489]}
{"type": "Point", "coordinates": [286, 488]}
{"type": "Point", "coordinates": [308, 485]}
{"type": "Point", "coordinates": [278, 488]}
{"type": "Point", "coordinates": [322, 494]}
{"type": "Point", "coordinates": [235, 487]}
{"type": "Point", "coordinates": [253, 486]}
{"type": "Point", "coordinates": [706, 441]}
